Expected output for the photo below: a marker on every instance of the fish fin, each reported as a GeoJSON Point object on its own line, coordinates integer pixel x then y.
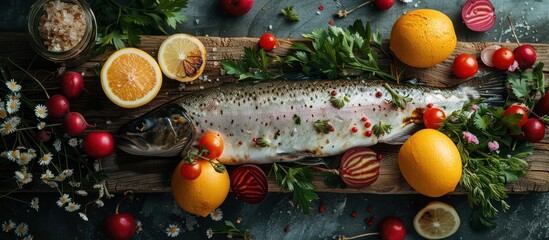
{"type": "Point", "coordinates": [489, 86]}
{"type": "Point", "coordinates": [403, 134]}
{"type": "Point", "coordinates": [293, 156]}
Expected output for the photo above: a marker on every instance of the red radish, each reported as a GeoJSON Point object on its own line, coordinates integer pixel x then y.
{"type": "Point", "coordinates": [72, 84]}
{"type": "Point", "coordinates": [98, 144]}
{"type": "Point", "coordinates": [249, 183]}
{"type": "Point", "coordinates": [534, 130]}
{"type": "Point", "coordinates": [487, 54]}
{"type": "Point", "coordinates": [478, 15]}
{"type": "Point", "coordinates": [384, 4]}
{"type": "Point", "coordinates": [58, 106]}
{"type": "Point", "coordinates": [75, 124]}
{"type": "Point", "coordinates": [525, 55]}
{"type": "Point", "coordinates": [392, 228]}
{"type": "Point", "coordinates": [120, 226]}
{"type": "Point", "coordinates": [236, 7]}
{"type": "Point", "coordinates": [359, 167]}
{"type": "Point", "coordinates": [542, 107]}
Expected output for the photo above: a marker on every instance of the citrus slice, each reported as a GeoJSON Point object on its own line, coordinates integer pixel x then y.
{"type": "Point", "coordinates": [131, 78]}
{"type": "Point", "coordinates": [437, 220]}
{"type": "Point", "coordinates": [182, 57]}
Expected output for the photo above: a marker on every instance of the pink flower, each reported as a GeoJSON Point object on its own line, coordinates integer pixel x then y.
{"type": "Point", "coordinates": [471, 138]}
{"type": "Point", "coordinates": [493, 146]}
{"type": "Point", "coordinates": [474, 107]}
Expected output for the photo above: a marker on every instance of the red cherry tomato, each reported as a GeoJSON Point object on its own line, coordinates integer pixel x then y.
{"type": "Point", "coordinates": [213, 143]}
{"type": "Point", "coordinates": [98, 144]}
{"type": "Point", "coordinates": [503, 58]}
{"type": "Point", "coordinates": [433, 118]}
{"type": "Point", "coordinates": [190, 171]}
{"type": "Point", "coordinates": [518, 109]}
{"type": "Point", "coordinates": [465, 65]}
{"type": "Point", "coordinates": [267, 41]}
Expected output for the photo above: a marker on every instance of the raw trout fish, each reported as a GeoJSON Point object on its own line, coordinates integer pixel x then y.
{"type": "Point", "coordinates": [287, 120]}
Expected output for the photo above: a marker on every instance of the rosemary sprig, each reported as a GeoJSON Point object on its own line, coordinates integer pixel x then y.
{"type": "Point", "coordinates": [289, 14]}
{"type": "Point", "coordinates": [297, 179]}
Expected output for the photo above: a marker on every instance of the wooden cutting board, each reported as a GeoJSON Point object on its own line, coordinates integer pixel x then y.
{"type": "Point", "coordinates": [150, 174]}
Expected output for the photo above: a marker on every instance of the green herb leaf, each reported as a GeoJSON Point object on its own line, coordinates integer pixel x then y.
{"type": "Point", "coordinates": [297, 119]}
{"type": "Point", "coordinates": [332, 180]}
{"type": "Point", "coordinates": [263, 142]}
{"type": "Point", "coordinates": [381, 128]}
{"type": "Point", "coordinates": [230, 228]}
{"type": "Point", "coordinates": [322, 126]}
{"type": "Point", "coordinates": [520, 86]}
{"type": "Point", "coordinates": [397, 100]}
{"type": "Point", "coordinates": [539, 77]}
{"type": "Point", "coordinates": [289, 14]}
{"type": "Point", "coordinates": [337, 102]}
{"type": "Point", "coordinates": [298, 180]}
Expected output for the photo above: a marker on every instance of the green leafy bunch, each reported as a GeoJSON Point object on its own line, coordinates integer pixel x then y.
{"type": "Point", "coordinates": [298, 181]}
{"type": "Point", "coordinates": [120, 25]}
{"type": "Point", "coordinates": [492, 159]}
{"type": "Point", "coordinates": [255, 65]}
{"type": "Point", "coordinates": [339, 53]}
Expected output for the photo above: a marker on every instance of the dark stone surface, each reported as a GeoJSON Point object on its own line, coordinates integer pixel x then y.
{"type": "Point", "coordinates": [527, 219]}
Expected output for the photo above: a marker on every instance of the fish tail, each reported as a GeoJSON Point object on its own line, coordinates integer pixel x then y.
{"type": "Point", "coordinates": [490, 87]}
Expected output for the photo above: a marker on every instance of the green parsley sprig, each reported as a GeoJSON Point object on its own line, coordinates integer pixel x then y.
{"type": "Point", "coordinates": [233, 231]}
{"type": "Point", "coordinates": [527, 85]}
{"type": "Point", "coordinates": [298, 181]}
{"type": "Point", "coordinates": [491, 156]}
{"type": "Point", "coordinates": [254, 65]}
{"type": "Point", "coordinates": [289, 14]}
{"type": "Point", "coordinates": [120, 25]}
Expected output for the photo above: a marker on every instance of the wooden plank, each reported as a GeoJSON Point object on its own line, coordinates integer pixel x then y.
{"type": "Point", "coordinates": [148, 174]}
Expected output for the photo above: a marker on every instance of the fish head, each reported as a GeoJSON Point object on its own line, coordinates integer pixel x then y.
{"type": "Point", "coordinates": [163, 132]}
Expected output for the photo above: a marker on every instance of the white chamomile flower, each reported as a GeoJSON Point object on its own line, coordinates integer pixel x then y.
{"type": "Point", "coordinates": [24, 159]}
{"type": "Point", "coordinates": [13, 86]}
{"type": "Point", "coordinates": [57, 145]}
{"type": "Point", "coordinates": [82, 193]}
{"type": "Point", "coordinates": [23, 176]}
{"type": "Point", "coordinates": [35, 204]}
{"type": "Point", "coordinates": [52, 184]}
{"type": "Point", "coordinates": [8, 226]}
{"type": "Point", "coordinates": [22, 230]}
{"type": "Point", "coordinates": [72, 207]}
{"type": "Point", "coordinates": [28, 237]}
{"type": "Point", "coordinates": [139, 226]}
{"type": "Point", "coordinates": [99, 203]}
{"type": "Point", "coordinates": [83, 216]}
{"type": "Point", "coordinates": [41, 111]}
{"type": "Point", "coordinates": [14, 96]}
{"type": "Point", "coordinates": [172, 230]}
{"type": "Point", "coordinates": [209, 233]}
{"type": "Point", "coordinates": [59, 178]}
{"type": "Point", "coordinates": [216, 214]}
{"type": "Point", "coordinates": [45, 159]}
{"type": "Point", "coordinates": [3, 113]}
{"type": "Point", "coordinates": [63, 200]}
{"type": "Point", "coordinates": [13, 106]}
{"type": "Point", "coordinates": [67, 172]}
{"type": "Point", "coordinates": [47, 176]}
{"type": "Point", "coordinates": [14, 155]}
{"type": "Point", "coordinates": [73, 142]}
{"type": "Point", "coordinates": [7, 128]}
{"type": "Point", "coordinates": [15, 120]}
{"type": "Point", "coordinates": [32, 152]}
{"type": "Point", "coordinates": [98, 186]}
{"type": "Point", "coordinates": [41, 125]}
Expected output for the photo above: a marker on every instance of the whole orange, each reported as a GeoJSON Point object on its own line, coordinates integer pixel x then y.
{"type": "Point", "coordinates": [423, 38]}
{"type": "Point", "coordinates": [202, 195]}
{"type": "Point", "coordinates": [430, 162]}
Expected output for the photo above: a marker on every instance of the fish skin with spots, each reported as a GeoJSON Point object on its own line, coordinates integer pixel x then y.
{"type": "Point", "coordinates": [244, 113]}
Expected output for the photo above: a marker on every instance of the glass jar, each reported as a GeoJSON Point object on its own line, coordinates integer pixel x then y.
{"type": "Point", "coordinates": [67, 38]}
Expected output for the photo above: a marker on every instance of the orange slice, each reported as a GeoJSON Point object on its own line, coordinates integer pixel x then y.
{"type": "Point", "coordinates": [131, 78]}
{"type": "Point", "coordinates": [182, 57]}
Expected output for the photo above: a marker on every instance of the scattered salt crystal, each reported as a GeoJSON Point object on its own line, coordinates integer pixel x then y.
{"type": "Point", "coordinates": [270, 27]}
{"type": "Point", "coordinates": [201, 87]}
{"type": "Point", "coordinates": [214, 49]}
{"type": "Point", "coordinates": [197, 21]}
{"type": "Point", "coordinates": [406, 1]}
{"type": "Point", "coordinates": [415, 5]}
{"type": "Point", "coordinates": [318, 12]}
{"type": "Point", "coordinates": [108, 122]}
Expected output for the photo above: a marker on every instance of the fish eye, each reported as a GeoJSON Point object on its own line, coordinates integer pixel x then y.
{"type": "Point", "coordinates": [144, 125]}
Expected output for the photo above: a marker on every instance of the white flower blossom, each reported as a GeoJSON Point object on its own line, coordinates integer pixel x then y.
{"type": "Point", "coordinates": [8, 226]}
{"type": "Point", "coordinates": [82, 193]}
{"type": "Point", "coordinates": [98, 186]}
{"type": "Point", "coordinates": [13, 86]}
{"type": "Point", "coordinates": [28, 237]}
{"type": "Point", "coordinates": [172, 230]}
{"type": "Point", "coordinates": [24, 159]}
{"type": "Point", "coordinates": [41, 111]}
{"type": "Point", "coordinates": [51, 184]}
{"type": "Point", "coordinates": [83, 216]}
{"type": "Point", "coordinates": [59, 178]}
{"type": "Point", "coordinates": [67, 172]}
{"type": "Point", "coordinates": [209, 233]}
{"type": "Point", "coordinates": [35, 204]}
{"type": "Point", "coordinates": [13, 106]}
{"type": "Point", "coordinates": [99, 203]}
{"type": "Point", "coordinates": [139, 226]}
{"type": "Point", "coordinates": [63, 200]}
{"type": "Point", "coordinates": [3, 113]}
{"type": "Point", "coordinates": [41, 125]}
{"type": "Point", "coordinates": [73, 142]}
{"type": "Point", "coordinates": [32, 152]}
{"type": "Point", "coordinates": [22, 230]}
{"type": "Point", "coordinates": [216, 214]}
{"type": "Point", "coordinates": [23, 176]}
{"type": "Point", "coordinates": [57, 145]}
{"type": "Point", "coordinates": [72, 207]}
{"type": "Point", "coordinates": [46, 159]}
{"type": "Point", "coordinates": [14, 155]}
{"type": "Point", "coordinates": [47, 176]}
